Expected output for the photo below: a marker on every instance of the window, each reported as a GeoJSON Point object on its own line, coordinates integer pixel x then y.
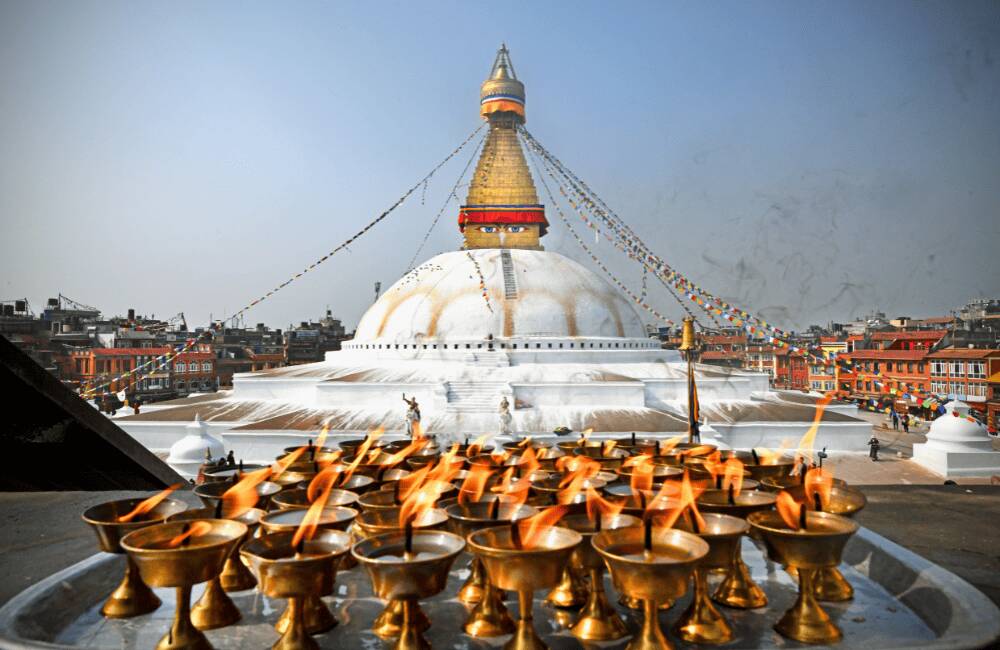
{"type": "Point", "coordinates": [957, 388]}
{"type": "Point", "coordinates": [828, 385]}
{"type": "Point", "coordinates": [939, 387]}
{"type": "Point", "coordinates": [976, 390]}
{"type": "Point", "coordinates": [206, 366]}
{"type": "Point", "coordinates": [977, 370]}
{"type": "Point", "coordinates": [888, 366]}
{"type": "Point", "coordinates": [180, 366]}
{"type": "Point", "coordinates": [938, 369]}
{"type": "Point", "coordinates": [920, 368]}
{"type": "Point", "coordinates": [957, 368]}
{"type": "Point", "coordinates": [180, 385]}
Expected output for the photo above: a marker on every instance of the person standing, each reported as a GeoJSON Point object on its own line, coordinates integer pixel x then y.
{"type": "Point", "coordinates": [873, 447]}
{"type": "Point", "coordinates": [506, 419]}
{"type": "Point", "coordinates": [906, 423]}
{"type": "Point", "coordinates": [412, 416]}
{"type": "Point", "coordinates": [895, 420]}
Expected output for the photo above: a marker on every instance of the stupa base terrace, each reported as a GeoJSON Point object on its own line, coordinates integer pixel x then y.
{"type": "Point", "coordinates": [635, 387]}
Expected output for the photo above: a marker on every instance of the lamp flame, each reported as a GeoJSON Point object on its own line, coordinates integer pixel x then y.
{"type": "Point", "coordinates": [685, 500]}
{"type": "Point", "coordinates": [148, 504]}
{"type": "Point", "coordinates": [599, 507]}
{"type": "Point", "coordinates": [477, 445]}
{"type": "Point", "coordinates": [475, 483]}
{"type": "Point", "coordinates": [732, 477]}
{"type": "Point", "coordinates": [808, 442]}
{"type": "Point", "coordinates": [195, 529]}
{"type": "Point", "coordinates": [243, 495]}
{"type": "Point", "coordinates": [818, 487]}
{"type": "Point", "coordinates": [532, 528]}
{"type": "Point", "coordinates": [790, 511]}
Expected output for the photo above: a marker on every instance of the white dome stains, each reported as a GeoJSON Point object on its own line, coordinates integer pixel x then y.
{"type": "Point", "coordinates": [442, 299]}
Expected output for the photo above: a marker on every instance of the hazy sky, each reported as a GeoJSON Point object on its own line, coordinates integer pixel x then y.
{"type": "Point", "coordinates": [808, 160]}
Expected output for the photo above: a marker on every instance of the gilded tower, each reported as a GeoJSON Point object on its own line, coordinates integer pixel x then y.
{"type": "Point", "coordinates": [502, 208]}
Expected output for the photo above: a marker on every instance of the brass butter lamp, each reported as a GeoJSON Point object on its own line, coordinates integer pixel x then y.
{"type": "Point", "coordinates": [817, 545]}
{"type": "Point", "coordinates": [737, 589]}
{"type": "Point", "coordinates": [513, 567]}
{"type": "Point", "coordinates": [653, 565]}
{"type": "Point", "coordinates": [598, 620]}
{"type": "Point", "coordinates": [407, 566]}
{"type": "Point", "coordinates": [296, 573]}
{"type": "Point", "coordinates": [701, 622]}
{"type": "Point", "coordinates": [215, 608]}
{"type": "Point", "coordinates": [181, 554]}
{"type": "Point", "coordinates": [131, 597]}
{"type": "Point", "coordinates": [316, 615]}
{"type": "Point", "coordinates": [489, 617]}
{"type": "Point", "coordinates": [831, 585]}
{"type": "Point", "coordinates": [390, 622]}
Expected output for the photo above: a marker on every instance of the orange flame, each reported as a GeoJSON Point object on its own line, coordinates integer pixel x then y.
{"type": "Point", "coordinates": [700, 450]}
{"type": "Point", "coordinates": [401, 455]}
{"type": "Point", "coordinates": [370, 440]}
{"type": "Point", "coordinates": [419, 502]}
{"type": "Point", "coordinates": [517, 491]}
{"type": "Point", "coordinates": [767, 456]}
{"type": "Point", "coordinates": [477, 445]}
{"type": "Point", "coordinates": [310, 522]}
{"type": "Point", "coordinates": [668, 445]}
{"type": "Point", "coordinates": [733, 475]}
{"type": "Point", "coordinates": [413, 482]}
{"type": "Point", "coordinates": [642, 478]}
{"type": "Point", "coordinates": [446, 468]}
{"type": "Point", "coordinates": [321, 438]}
{"type": "Point", "coordinates": [243, 495]}
{"type": "Point", "coordinates": [687, 500]}
{"type": "Point", "coordinates": [608, 447]}
{"type": "Point", "coordinates": [577, 468]}
{"type": "Point", "coordinates": [808, 441]}
{"type": "Point", "coordinates": [195, 529]}
{"type": "Point", "coordinates": [584, 436]}
{"type": "Point", "coordinates": [475, 483]}
{"type": "Point", "coordinates": [597, 506]}
{"type": "Point", "coordinates": [279, 466]}
{"type": "Point", "coordinates": [532, 528]}
{"type": "Point", "coordinates": [818, 486]}
{"type": "Point", "coordinates": [528, 463]}
{"type": "Point", "coordinates": [571, 489]}
{"type": "Point", "coordinates": [418, 431]}
{"type": "Point", "coordinates": [148, 504]}
{"type": "Point", "coordinates": [789, 510]}
{"type": "Point", "coordinates": [525, 443]}
{"type": "Point", "coordinates": [641, 459]}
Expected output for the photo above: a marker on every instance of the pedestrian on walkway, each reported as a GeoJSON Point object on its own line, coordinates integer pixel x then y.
{"type": "Point", "coordinates": [873, 446]}
{"type": "Point", "coordinates": [895, 420]}
{"type": "Point", "coordinates": [906, 423]}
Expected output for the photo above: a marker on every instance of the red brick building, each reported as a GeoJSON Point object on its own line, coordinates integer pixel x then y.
{"type": "Point", "coordinates": [791, 370]}
{"type": "Point", "coordinates": [190, 371]}
{"type": "Point", "coordinates": [963, 373]}
{"type": "Point", "coordinates": [875, 374]}
{"type": "Point", "coordinates": [760, 358]}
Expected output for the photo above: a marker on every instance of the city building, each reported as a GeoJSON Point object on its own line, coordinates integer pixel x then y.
{"type": "Point", "coordinates": [962, 374]}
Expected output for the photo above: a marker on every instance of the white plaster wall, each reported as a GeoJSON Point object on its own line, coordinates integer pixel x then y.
{"type": "Point", "coordinates": [285, 389]}
{"type": "Point", "coordinates": [835, 436]}
{"type": "Point", "coordinates": [378, 395]}
{"type": "Point", "coordinates": [597, 394]}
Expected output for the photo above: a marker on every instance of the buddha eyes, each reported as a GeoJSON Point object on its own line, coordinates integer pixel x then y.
{"type": "Point", "coordinates": [494, 229]}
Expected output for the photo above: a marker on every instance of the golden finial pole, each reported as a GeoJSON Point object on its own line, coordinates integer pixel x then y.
{"type": "Point", "coordinates": [689, 345]}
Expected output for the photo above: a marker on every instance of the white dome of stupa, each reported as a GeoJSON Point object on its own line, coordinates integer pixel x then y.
{"type": "Point", "coordinates": [443, 299]}
{"type": "Point", "coordinates": [957, 427]}
{"type": "Point", "coordinates": [957, 445]}
{"type": "Point", "coordinates": [188, 453]}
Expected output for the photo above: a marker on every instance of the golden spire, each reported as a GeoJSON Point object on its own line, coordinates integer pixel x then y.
{"type": "Point", "coordinates": [502, 208]}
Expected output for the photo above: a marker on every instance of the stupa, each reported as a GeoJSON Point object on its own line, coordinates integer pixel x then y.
{"type": "Point", "coordinates": [500, 319]}
{"type": "Point", "coordinates": [958, 445]}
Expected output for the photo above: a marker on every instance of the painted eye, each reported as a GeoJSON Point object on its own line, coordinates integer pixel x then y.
{"type": "Point", "coordinates": [488, 229]}
{"type": "Point", "coordinates": [515, 228]}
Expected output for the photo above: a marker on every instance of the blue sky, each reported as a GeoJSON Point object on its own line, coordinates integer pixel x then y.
{"type": "Point", "coordinates": [808, 160]}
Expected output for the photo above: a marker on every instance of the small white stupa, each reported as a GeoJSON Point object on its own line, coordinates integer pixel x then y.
{"type": "Point", "coordinates": [188, 453]}
{"type": "Point", "coordinates": [957, 445]}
